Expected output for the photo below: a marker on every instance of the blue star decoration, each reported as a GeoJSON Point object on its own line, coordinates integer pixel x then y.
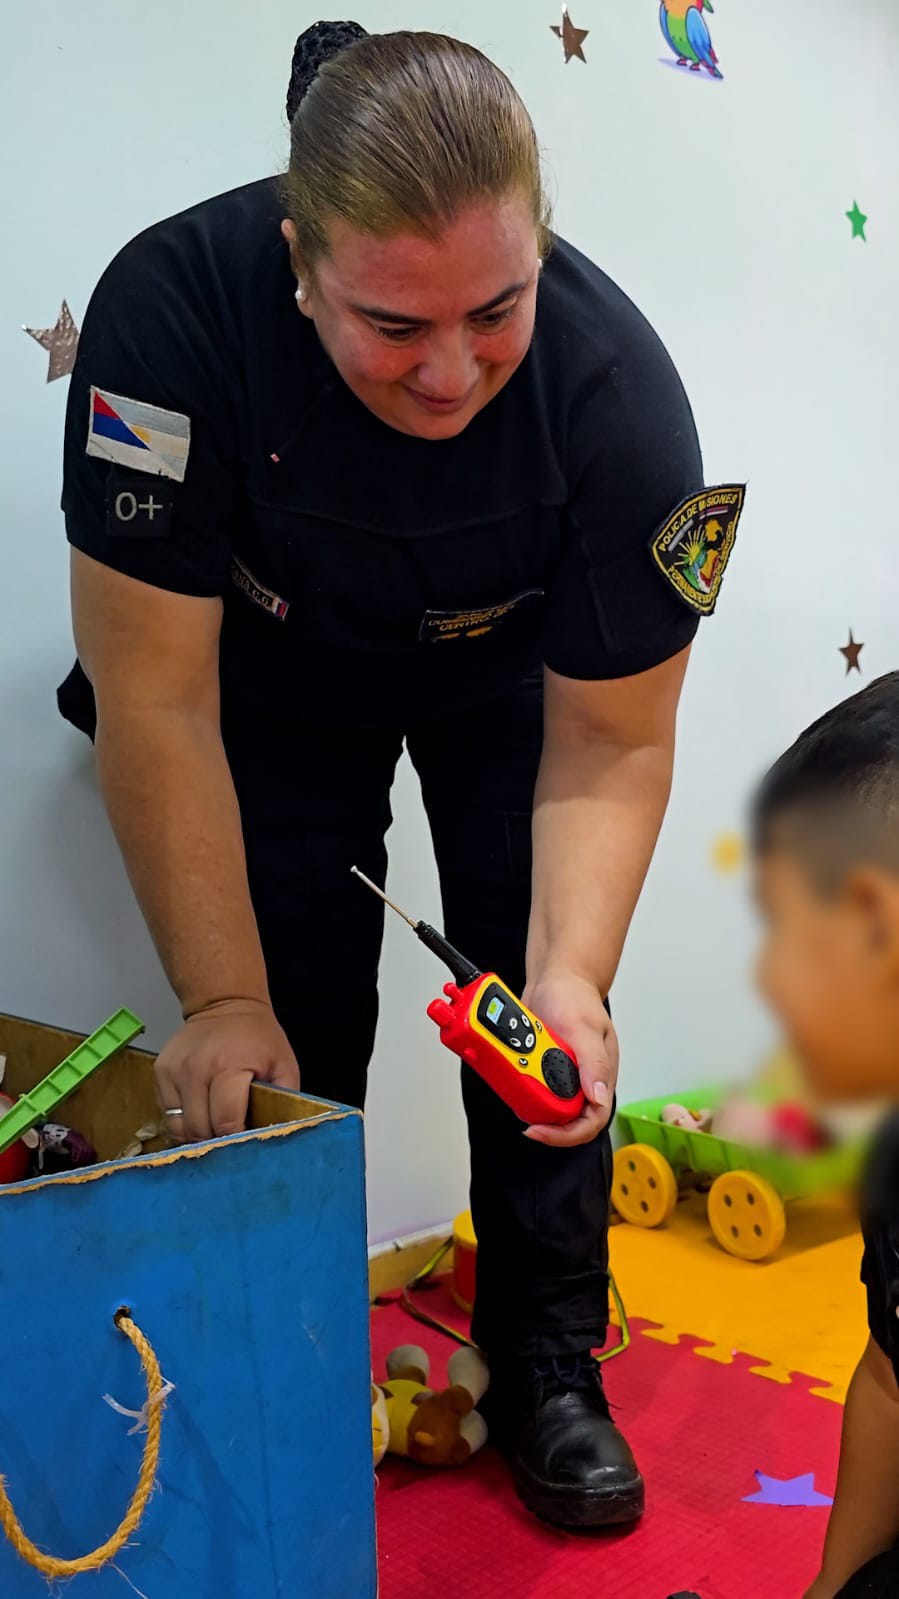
{"type": "Point", "coordinates": [793, 1491]}
{"type": "Point", "coordinates": [858, 220]}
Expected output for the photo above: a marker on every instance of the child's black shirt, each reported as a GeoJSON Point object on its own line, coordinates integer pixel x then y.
{"type": "Point", "coordinates": [880, 1225]}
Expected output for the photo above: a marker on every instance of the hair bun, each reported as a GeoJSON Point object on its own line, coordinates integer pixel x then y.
{"type": "Point", "coordinates": [318, 44]}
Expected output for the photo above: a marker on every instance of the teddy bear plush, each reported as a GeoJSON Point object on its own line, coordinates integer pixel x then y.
{"type": "Point", "coordinates": [380, 1426]}
{"type": "Point", "coordinates": [432, 1429]}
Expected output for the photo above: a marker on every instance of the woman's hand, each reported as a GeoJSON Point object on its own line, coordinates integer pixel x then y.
{"type": "Point", "coordinates": [572, 1006]}
{"type": "Point", "coordinates": [206, 1069]}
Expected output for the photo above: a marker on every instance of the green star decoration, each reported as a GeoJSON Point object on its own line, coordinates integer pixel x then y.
{"type": "Point", "coordinates": [858, 220]}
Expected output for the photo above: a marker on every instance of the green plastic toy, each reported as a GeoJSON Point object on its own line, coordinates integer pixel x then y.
{"type": "Point", "coordinates": [43, 1100]}
{"type": "Point", "coordinates": [748, 1186]}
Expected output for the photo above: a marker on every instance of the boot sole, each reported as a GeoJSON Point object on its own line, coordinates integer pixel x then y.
{"type": "Point", "coordinates": [564, 1506]}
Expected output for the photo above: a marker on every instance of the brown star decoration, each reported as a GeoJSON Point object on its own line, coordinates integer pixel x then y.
{"type": "Point", "coordinates": [572, 38]}
{"type": "Point", "coordinates": [61, 342]}
{"type": "Point", "coordinates": [852, 651]}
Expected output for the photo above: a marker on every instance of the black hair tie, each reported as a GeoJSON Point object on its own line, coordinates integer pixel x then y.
{"type": "Point", "coordinates": [318, 44]}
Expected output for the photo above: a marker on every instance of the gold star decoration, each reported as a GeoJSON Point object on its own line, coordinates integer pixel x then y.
{"type": "Point", "coordinates": [61, 342]}
{"type": "Point", "coordinates": [852, 651]}
{"type": "Point", "coordinates": [572, 38]}
{"type": "Point", "coordinates": [728, 852]}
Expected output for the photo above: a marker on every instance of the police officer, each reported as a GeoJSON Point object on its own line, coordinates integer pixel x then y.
{"type": "Point", "coordinates": [364, 458]}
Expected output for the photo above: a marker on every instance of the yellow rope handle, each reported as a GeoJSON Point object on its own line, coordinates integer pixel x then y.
{"type": "Point", "coordinates": [49, 1565]}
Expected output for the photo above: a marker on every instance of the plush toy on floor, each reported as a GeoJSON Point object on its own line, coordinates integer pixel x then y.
{"type": "Point", "coordinates": [433, 1429]}
{"type": "Point", "coordinates": [380, 1426]}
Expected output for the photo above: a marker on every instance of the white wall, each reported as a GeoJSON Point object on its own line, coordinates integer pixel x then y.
{"type": "Point", "coordinates": [719, 207]}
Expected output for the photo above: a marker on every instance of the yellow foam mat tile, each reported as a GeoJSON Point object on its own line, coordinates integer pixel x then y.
{"type": "Point", "coordinates": [801, 1312]}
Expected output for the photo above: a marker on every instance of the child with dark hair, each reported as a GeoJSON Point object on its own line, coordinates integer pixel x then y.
{"type": "Point", "coordinates": [826, 840]}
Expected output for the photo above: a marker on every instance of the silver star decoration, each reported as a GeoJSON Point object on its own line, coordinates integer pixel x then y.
{"type": "Point", "coordinates": [61, 342]}
{"type": "Point", "coordinates": [572, 38]}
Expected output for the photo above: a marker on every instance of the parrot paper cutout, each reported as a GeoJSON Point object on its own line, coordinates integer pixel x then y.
{"type": "Point", "coordinates": [686, 33]}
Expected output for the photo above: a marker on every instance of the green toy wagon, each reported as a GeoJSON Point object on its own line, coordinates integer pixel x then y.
{"type": "Point", "coordinates": [750, 1186]}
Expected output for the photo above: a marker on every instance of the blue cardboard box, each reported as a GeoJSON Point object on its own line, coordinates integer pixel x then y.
{"type": "Point", "coordinates": [243, 1260]}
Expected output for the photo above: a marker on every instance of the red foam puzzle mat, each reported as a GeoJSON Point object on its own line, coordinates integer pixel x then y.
{"type": "Point", "coordinates": [701, 1431]}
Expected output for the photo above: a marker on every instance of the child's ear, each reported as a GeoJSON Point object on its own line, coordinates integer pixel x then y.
{"type": "Point", "coordinates": [874, 896]}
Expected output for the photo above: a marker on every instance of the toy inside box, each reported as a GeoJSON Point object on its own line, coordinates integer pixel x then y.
{"type": "Point", "coordinates": [242, 1262]}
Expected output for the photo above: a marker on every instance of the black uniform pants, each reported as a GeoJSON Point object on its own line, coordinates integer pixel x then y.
{"type": "Point", "coordinates": [879, 1579]}
{"type": "Point", "coordinates": [315, 802]}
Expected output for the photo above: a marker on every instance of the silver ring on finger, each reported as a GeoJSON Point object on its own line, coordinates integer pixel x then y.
{"type": "Point", "coordinates": [175, 1111]}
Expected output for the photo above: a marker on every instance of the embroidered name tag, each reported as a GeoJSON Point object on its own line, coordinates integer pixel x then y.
{"type": "Point", "coordinates": [243, 579]}
{"type": "Point", "coordinates": [438, 627]}
{"type": "Point", "coordinates": [693, 547]}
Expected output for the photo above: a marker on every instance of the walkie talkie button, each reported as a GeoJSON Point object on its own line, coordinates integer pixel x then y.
{"type": "Point", "coordinates": [560, 1073]}
{"type": "Point", "coordinates": [530, 1041]}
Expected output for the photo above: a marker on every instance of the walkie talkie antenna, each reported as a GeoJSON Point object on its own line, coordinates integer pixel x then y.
{"type": "Point", "coordinates": [381, 895]}
{"type": "Point", "coordinates": [462, 969]}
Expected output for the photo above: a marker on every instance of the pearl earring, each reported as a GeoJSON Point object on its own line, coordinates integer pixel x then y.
{"type": "Point", "coordinates": [300, 295]}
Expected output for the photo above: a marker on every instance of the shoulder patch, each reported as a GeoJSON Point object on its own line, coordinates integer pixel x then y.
{"type": "Point", "coordinates": [692, 548]}
{"type": "Point", "coordinates": [136, 507]}
{"type": "Point", "coordinates": [140, 436]}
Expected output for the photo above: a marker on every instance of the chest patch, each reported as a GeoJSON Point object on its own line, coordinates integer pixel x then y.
{"type": "Point", "coordinates": [139, 436]}
{"type": "Point", "coordinates": [243, 579]}
{"type": "Point", "coordinates": [443, 627]}
{"type": "Point", "coordinates": [692, 548]}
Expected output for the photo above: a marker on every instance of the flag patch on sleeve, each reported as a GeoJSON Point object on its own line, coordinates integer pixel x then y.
{"type": "Point", "coordinates": [139, 436]}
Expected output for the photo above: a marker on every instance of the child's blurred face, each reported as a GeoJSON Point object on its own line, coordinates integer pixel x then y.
{"type": "Point", "coordinates": [829, 966]}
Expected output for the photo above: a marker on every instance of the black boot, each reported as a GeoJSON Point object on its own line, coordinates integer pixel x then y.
{"type": "Point", "coordinates": [570, 1463]}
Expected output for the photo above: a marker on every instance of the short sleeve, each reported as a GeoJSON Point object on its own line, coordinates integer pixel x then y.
{"type": "Point", "coordinates": [877, 1297]}
{"type": "Point", "coordinates": [634, 458]}
{"type": "Point", "coordinates": [149, 480]}
{"type": "Point", "coordinates": [880, 1229]}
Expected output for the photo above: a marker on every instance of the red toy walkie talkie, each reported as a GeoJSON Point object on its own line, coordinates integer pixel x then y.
{"type": "Point", "coordinates": [482, 1021]}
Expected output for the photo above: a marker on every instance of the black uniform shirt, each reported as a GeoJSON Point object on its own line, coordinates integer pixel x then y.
{"type": "Point", "coordinates": [880, 1224]}
{"type": "Point", "coordinates": [370, 577]}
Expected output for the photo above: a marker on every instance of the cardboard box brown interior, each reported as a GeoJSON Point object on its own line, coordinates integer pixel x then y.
{"type": "Point", "coordinates": [120, 1097]}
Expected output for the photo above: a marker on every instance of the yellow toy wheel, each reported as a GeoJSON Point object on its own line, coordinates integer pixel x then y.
{"type": "Point", "coordinates": [644, 1188]}
{"type": "Point", "coordinates": [747, 1215]}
